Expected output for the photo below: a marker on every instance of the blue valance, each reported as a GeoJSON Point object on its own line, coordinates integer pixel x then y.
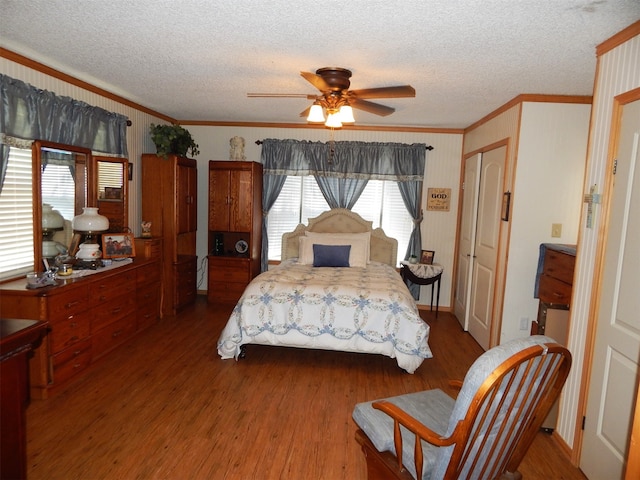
{"type": "Point", "coordinates": [366, 160]}
{"type": "Point", "coordinates": [28, 113]}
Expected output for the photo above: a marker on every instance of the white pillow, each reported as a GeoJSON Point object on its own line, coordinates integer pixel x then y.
{"type": "Point", "coordinates": [357, 255]}
{"type": "Point", "coordinates": [323, 237]}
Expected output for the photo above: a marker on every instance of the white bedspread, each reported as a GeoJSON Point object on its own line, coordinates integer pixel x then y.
{"type": "Point", "coordinates": [366, 310]}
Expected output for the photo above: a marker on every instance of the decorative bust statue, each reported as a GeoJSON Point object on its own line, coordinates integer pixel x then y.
{"type": "Point", "coordinates": [237, 149]}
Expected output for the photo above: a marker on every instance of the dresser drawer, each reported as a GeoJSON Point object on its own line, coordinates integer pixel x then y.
{"type": "Point", "coordinates": [186, 266]}
{"type": "Point", "coordinates": [147, 314]}
{"type": "Point", "coordinates": [148, 247]}
{"type": "Point", "coordinates": [148, 293]}
{"type": "Point", "coordinates": [67, 331]}
{"type": "Point", "coordinates": [552, 290]}
{"type": "Point", "coordinates": [107, 290]}
{"type": "Point", "coordinates": [108, 313]}
{"type": "Point", "coordinates": [237, 274]}
{"type": "Point", "coordinates": [71, 361]}
{"type": "Point", "coordinates": [113, 335]}
{"type": "Point", "coordinates": [185, 294]}
{"type": "Point", "coordinates": [559, 265]}
{"type": "Point", "coordinates": [149, 274]}
{"type": "Point", "coordinates": [148, 305]}
{"type": "Point", "coordinates": [225, 292]}
{"type": "Point", "coordinates": [68, 302]}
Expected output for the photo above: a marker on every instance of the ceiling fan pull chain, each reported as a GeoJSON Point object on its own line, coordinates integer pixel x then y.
{"type": "Point", "coordinates": [332, 147]}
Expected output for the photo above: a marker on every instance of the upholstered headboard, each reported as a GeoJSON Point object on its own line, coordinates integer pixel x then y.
{"type": "Point", "coordinates": [340, 220]}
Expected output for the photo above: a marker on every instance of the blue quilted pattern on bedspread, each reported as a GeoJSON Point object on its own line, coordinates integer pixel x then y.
{"type": "Point", "coordinates": [371, 303]}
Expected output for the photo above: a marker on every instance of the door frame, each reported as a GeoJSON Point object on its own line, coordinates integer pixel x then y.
{"type": "Point", "coordinates": [503, 242]}
{"type": "Point", "coordinates": [596, 290]}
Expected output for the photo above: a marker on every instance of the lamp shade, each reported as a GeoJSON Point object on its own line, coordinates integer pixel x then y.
{"type": "Point", "coordinates": [51, 219]}
{"type": "Point", "coordinates": [315, 114]}
{"type": "Point", "coordinates": [346, 114]}
{"type": "Point", "coordinates": [333, 120]}
{"type": "Point", "coordinates": [90, 221]}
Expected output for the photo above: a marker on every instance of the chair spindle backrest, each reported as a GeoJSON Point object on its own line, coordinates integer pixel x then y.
{"type": "Point", "coordinates": [494, 423]}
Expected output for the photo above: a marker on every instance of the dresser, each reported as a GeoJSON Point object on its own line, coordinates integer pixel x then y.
{"type": "Point", "coordinates": [235, 228]}
{"type": "Point", "coordinates": [88, 317]}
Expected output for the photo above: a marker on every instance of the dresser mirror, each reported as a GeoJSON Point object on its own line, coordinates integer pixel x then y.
{"type": "Point", "coordinates": [111, 188]}
{"type": "Point", "coordinates": [61, 190]}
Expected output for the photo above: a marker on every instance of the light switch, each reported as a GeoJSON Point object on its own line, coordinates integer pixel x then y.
{"type": "Point", "coordinates": [556, 230]}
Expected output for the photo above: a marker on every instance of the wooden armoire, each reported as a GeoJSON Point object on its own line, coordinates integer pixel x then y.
{"type": "Point", "coordinates": [235, 228]}
{"type": "Point", "coordinates": [169, 202]}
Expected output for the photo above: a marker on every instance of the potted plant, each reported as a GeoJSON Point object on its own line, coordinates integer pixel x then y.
{"type": "Point", "coordinates": [173, 139]}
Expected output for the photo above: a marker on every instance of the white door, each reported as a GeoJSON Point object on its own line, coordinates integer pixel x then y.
{"type": "Point", "coordinates": [614, 373]}
{"type": "Point", "coordinates": [467, 238]}
{"type": "Point", "coordinates": [478, 243]}
{"type": "Point", "coordinates": [483, 276]}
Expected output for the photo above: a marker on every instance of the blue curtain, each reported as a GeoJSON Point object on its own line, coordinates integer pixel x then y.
{"type": "Point", "coordinates": [341, 192]}
{"type": "Point", "coordinates": [411, 193]}
{"type": "Point", "coordinates": [4, 161]}
{"type": "Point", "coordinates": [342, 170]}
{"type": "Point", "coordinates": [271, 186]}
{"type": "Point", "coordinates": [28, 113]}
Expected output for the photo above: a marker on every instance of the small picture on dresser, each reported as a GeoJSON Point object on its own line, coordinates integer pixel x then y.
{"type": "Point", "coordinates": [118, 245]}
{"type": "Point", "coordinates": [427, 257]}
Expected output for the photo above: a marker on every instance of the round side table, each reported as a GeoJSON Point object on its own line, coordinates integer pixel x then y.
{"type": "Point", "coordinates": [422, 274]}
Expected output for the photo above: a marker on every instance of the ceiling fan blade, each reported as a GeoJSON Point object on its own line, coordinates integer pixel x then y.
{"type": "Point", "coordinates": [371, 107]}
{"type": "Point", "coordinates": [281, 95]}
{"type": "Point", "coordinates": [385, 92]}
{"type": "Point", "coordinates": [316, 80]}
{"type": "Point", "coordinates": [305, 113]}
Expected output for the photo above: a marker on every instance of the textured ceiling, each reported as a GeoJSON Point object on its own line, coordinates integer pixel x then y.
{"type": "Point", "coordinates": [197, 59]}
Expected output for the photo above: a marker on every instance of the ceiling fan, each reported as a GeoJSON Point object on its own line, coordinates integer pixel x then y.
{"type": "Point", "coordinates": [337, 100]}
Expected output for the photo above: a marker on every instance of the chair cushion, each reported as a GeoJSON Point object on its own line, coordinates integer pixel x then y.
{"type": "Point", "coordinates": [432, 408]}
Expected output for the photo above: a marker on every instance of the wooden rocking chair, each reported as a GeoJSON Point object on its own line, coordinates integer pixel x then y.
{"type": "Point", "coordinates": [483, 434]}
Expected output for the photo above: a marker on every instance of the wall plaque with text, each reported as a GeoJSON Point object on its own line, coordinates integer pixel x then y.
{"type": "Point", "coordinates": [438, 199]}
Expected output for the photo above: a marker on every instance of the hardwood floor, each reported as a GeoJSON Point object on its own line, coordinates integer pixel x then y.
{"type": "Point", "coordinates": [165, 406]}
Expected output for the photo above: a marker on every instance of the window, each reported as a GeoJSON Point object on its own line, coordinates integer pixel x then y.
{"type": "Point", "coordinates": [301, 199]}
{"type": "Point", "coordinates": [57, 182]}
{"type": "Point", "coordinates": [382, 203]}
{"type": "Point", "coordinates": [16, 215]}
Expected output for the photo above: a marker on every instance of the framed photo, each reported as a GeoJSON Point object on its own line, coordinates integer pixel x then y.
{"type": "Point", "coordinates": [113, 193]}
{"type": "Point", "coordinates": [427, 257]}
{"type": "Point", "coordinates": [118, 245]}
{"type": "Point", "coordinates": [506, 205]}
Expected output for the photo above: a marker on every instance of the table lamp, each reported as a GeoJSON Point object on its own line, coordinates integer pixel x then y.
{"type": "Point", "coordinates": [89, 223]}
{"type": "Point", "coordinates": [52, 221]}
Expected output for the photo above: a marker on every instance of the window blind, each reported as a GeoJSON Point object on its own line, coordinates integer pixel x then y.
{"type": "Point", "coordinates": [301, 199]}
{"type": "Point", "coordinates": [16, 215]}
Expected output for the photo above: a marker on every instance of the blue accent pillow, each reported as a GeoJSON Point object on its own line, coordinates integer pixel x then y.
{"type": "Point", "coordinates": [331, 255]}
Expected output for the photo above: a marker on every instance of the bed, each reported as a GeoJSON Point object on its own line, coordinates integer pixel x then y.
{"type": "Point", "coordinates": [364, 307]}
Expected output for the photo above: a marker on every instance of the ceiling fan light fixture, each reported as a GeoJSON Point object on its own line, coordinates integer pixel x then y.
{"type": "Point", "coordinates": [316, 114]}
{"type": "Point", "coordinates": [346, 114]}
{"type": "Point", "coordinates": [333, 120]}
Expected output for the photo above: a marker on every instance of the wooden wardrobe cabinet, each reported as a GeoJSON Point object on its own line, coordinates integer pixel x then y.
{"type": "Point", "coordinates": [235, 228]}
{"type": "Point", "coordinates": [169, 202]}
